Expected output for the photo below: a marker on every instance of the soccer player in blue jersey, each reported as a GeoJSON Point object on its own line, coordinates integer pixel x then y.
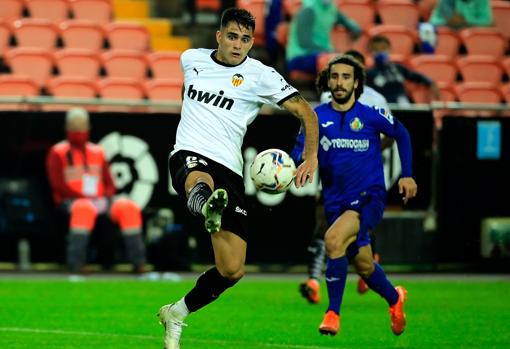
{"type": "Point", "coordinates": [351, 171]}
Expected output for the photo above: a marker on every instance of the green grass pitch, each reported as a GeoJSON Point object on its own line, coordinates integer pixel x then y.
{"type": "Point", "coordinates": [256, 314]}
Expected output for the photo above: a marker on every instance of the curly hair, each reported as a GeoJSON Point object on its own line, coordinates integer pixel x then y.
{"type": "Point", "coordinates": [321, 83]}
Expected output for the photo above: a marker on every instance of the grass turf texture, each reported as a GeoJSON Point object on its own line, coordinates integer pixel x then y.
{"type": "Point", "coordinates": [256, 314]}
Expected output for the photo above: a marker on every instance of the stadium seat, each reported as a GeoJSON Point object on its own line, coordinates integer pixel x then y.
{"type": "Point", "coordinates": [56, 11]}
{"type": "Point", "coordinates": [78, 63]}
{"type": "Point", "coordinates": [120, 88]}
{"type": "Point", "coordinates": [400, 12]}
{"type": "Point", "coordinates": [426, 7]}
{"type": "Point", "coordinates": [11, 10]}
{"type": "Point", "coordinates": [36, 63]}
{"type": "Point", "coordinates": [128, 36]}
{"type": "Point", "coordinates": [5, 36]}
{"type": "Point", "coordinates": [17, 85]}
{"type": "Point", "coordinates": [501, 16]}
{"type": "Point", "coordinates": [506, 66]}
{"type": "Point", "coordinates": [257, 9]}
{"type": "Point", "coordinates": [448, 42]}
{"type": "Point", "coordinates": [478, 92]}
{"type": "Point", "coordinates": [362, 13]}
{"type": "Point", "coordinates": [282, 33]}
{"type": "Point", "coordinates": [125, 64]}
{"type": "Point", "coordinates": [402, 39]}
{"type": "Point", "coordinates": [291, 7]}
{"type": "Point", "coordinates": [324, 58]}
{"type": "Point", "coordinates": [82, 34]}
{"type": "Point", "coordinates": [35, 32]}
{"type": "Point", "coordinates": [93, 10]}
{"type": "Point", "coordinates": [439, 68]}
{"type": "Point", "coordinates": [505, 91]}
{"type": "Point", "coordinates": [480, 69]}
{"type": "Point", "coordinates": [483, 41]}
{"type": "Point", "coordinates": [165, 65]}
{"type": "Point", "coordinates": [72, 86]}
{"type": "Point", "coordinates": [163, 89]}
{"type": "Point", "coordinates": [447, 92]}
{"type": "Point", "coordinates": [211, 5]}
{"type": "Point", "coordinates": [342, 41]}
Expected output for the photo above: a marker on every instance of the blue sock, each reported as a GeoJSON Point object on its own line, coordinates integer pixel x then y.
{"type": "Point", "coordinates": [336, 275]}
{"type": "Point", "coordinates": [381, 285]}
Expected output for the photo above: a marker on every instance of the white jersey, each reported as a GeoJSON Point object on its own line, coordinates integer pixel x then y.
{"type": "Point", "coordinates": [369, 97]}
{"type": "Point", "coordinates": [220, 101]}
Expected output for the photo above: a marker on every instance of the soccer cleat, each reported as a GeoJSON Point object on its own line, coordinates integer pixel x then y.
{"type": "Point", "coordinates": [310, 291]}
{"type": "Point", "coordinates": [397, 315]}
{"type": "Point", "coordinates": [213, 210]}
{"type": "Point", "coordinates": [330, 324]}
{"type": "Point", "coordinates": [362, 286]}
{"type": "Point", "coordinates": [173, 326]}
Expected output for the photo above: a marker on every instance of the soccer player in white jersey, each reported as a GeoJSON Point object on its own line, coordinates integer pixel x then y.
{"type": "Point", "coordinates": [310, 289]}
{"type": "Point", "coordinates": [222, 94]}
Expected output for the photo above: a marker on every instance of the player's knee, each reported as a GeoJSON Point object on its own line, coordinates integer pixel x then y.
{"type": "Point", "coordinates": [232, 271]}
{"type": "Point", "coordinates": [364, 268]}
{"type": "Point", "coordinates": [337, 244]}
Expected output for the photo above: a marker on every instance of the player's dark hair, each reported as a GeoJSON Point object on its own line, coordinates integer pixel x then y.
{"type": "Point", "coordinates": [321, 83]}
{"type": "Point", "coordinates": [240, 16]}
{"type": "Point", "coordinates": [357, 55]}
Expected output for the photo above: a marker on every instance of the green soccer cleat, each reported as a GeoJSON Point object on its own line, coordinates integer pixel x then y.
{"type": "Point", "coordinates": [213, 210]}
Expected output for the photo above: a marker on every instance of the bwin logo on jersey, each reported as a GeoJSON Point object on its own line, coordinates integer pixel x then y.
{"type": "Point", "coordinates": [237, 80]}
{"type": "Point", "coordinates": [217, 100]}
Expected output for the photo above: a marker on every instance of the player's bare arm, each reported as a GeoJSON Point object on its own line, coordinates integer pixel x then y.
{"type": "Point", "coordinates": [300, 108]}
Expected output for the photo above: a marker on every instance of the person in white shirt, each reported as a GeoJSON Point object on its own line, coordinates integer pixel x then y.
{"type": "Point", "coordinates": [222, 94]}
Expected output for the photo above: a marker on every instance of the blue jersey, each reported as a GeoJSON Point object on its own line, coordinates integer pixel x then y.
{"type": "Point", "coordinates": [350, 160]}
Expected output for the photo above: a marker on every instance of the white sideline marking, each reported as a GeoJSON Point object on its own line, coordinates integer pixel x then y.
{"type": "Point", "coordinates": [238, 344]}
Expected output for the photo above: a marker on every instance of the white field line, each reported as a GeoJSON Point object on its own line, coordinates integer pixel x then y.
{"type": "Point", "coordinates": [228, 344]}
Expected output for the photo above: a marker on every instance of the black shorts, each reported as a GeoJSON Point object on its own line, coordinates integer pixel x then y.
{"type": "Point", "coordinates": [235, 216]}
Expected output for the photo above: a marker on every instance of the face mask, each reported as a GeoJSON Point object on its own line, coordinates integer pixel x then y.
{"type": "Point", "coordinates": [77, 138]}
{"type": "Point", "coordinates": [381, 58]}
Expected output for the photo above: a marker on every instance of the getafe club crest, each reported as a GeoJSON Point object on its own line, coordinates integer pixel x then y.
{"type": "Point", "coordinates": [237, 80]}
{"type": "Point", "coordinates": [356, 124]}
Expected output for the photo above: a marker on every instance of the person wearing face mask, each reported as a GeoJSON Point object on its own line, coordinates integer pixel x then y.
{"type": "Point", "coordinates": [388, 78]}
{"type": "Point", "coordinates": [310, 33]}
{"type": "Point", "coordinates": [83, 188]}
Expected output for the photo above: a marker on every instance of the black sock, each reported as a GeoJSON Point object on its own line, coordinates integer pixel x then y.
{"type": "Point", "coordinates": [209, 286]}
{"type": "Point", "coordinates": [317, 256]}
{"type": "Point", "coordinates": [197, 197]}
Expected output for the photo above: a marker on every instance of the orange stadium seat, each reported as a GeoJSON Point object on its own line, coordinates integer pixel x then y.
{"type": "Point", "coordinates": [501, 15]}
{"type": "Point", "coordinates": [483, 41]}
{"type": "Point", "coordinates": [506, 66]}
{"type": "Point", "coordinates": [448, 42]}
{"type": "Point", "coordinates": [400, 12]}
{"type": "Point", "coordinates": [291, 7]}
{"type": "Point", "coordinates": [478, 92]}
{"type": "Point", "coordinates": [402, 39]}
{"type": "Point", "coordinates": [447, 92]}
{"type": "Point", "coordinates": [34, 62]}
{"type": "Point", "coordinates": [437, 67]}
{"type": "Point", "coordinates": [17, 85]}
{"type": "Point", "coordinates": [505, 91]}
{"type": "Point", "coordinates": [257, 8]}
{"type": "Point", "coordinates": [342, 41]}
{"type": "Point", "coordinates": [480, 69]}
{"type": "Point", "coordinates": [54, 10]}
{"type": "Point", "coordinates": [282, 33]}
{"type": "Point", "coordinates": [164, 89]}
{"type": "Point", "coordinates": [78, 63]}
{"type": "Point", "coordinates": [213, 5]}
{"type": "Point", "coordinates": [128, 36]}
{"type": "Point", "coordinates": [11, 9]}
{"type": "Point", "coordinates": [93, 10]}
{"type": "Point", "coordinates": [35, 32]}
{"type": "Point", "coordinates": [426, 7]}
{"type": "Point", "coordinates": [5, 36]}
{"type": "Point", "coordinates": [120, 88]}
{"type": "Point", "coordinates": [165, 65]}
{"type": "Point", "coordinates": [72, 86]}
{"type": "Point", "coordinates": [125, 64]}
{"type": "Point", "coordinates": [362, 13]}
{"type": "Point", "coordinates": [324, 58]}
{"type": "Point", "coordinates": [82, 34]}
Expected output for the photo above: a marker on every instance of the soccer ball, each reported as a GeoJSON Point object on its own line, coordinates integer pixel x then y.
{"type": "Point", "coordinates": [272, 171]}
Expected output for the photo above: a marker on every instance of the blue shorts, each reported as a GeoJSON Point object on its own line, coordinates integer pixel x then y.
{"type": "Point", "coordinates": [370, 206]}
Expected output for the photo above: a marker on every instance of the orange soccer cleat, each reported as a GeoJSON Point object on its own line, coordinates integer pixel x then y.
{"type": "Point", "coordinates": [397, 315]}
{"type": "Point", "coordinates": [362, 286]}
{"type": "Point", "coordinates": [330, 324]}
{"type": "Point", "coordinates": [310, 290]}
